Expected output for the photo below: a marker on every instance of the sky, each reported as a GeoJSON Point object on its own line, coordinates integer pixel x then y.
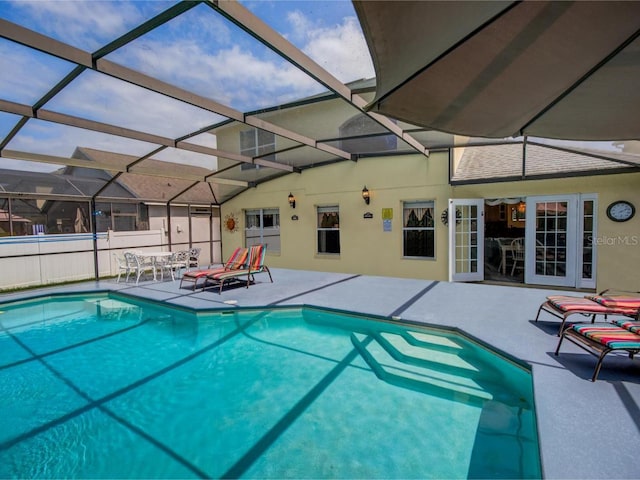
{"type": "Point", "coordinates": [199, 51]}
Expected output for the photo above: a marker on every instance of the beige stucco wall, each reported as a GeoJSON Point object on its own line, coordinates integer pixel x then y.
{"type": "Point", "coordinates": [364, 247]}
{"type": "Point", "coordinates": [367, 249]}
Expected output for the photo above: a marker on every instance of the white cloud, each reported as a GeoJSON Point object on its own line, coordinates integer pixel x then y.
{"type": "Point", "coordinates": [105, 99]}
{"type": "Point", "coordinates": [201, 53]}
{"type": "Point", "coordinates": [340, 49]}
{"type": "Point", "coordinates": [85, 24]}
{"type": "Point", "coordinates": [61, 141]}
{"type": "Point", "coordinates": [232, 75]}
{"type": "Point", "coordinates": [300, 25]}
{"type": "Point", "coordinates": [25, 76]}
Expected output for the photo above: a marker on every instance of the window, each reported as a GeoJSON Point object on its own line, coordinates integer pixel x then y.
{"type": "Point", "coordinates": [263, 226]}
{"type": "Point", "coordinates": [328, 230]}
{"type": "Point", "coordinates": [255, 143]}
{"type": "Point", "coordinates": [49, 216]}
{"type": "Point", "coordinates": [418, 229]}
{"type": "Point", "coordinates": [121, 217]}
{"type": "Point", "coordinates": [362, 134]}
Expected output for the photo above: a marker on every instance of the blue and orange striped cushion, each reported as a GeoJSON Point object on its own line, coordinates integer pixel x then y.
{"type": "Point", "coordinates": [257, 257]}
{"type": "Point", "coordinates": [566, 303]}
{"type": "Point", "coordinates": [611, 336]}
{"type": "Point", "coordinates": [630, 325]}
{"type": "Point", "coordinates": [236, 261]}
{"type": "Point", "coordinates": [256, 264]}
{"type": "Point", "coordinates": [617, 301]}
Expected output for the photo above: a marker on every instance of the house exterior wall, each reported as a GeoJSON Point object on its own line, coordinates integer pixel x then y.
{"type": "Point", "coordinates": [366, 249]}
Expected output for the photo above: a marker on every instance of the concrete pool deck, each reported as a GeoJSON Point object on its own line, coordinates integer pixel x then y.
{"type": "Point", "coordinates": [586, 430]}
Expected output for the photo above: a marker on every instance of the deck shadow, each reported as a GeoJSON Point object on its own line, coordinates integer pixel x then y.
{"type": "Point", "coordinates": [616, 368]}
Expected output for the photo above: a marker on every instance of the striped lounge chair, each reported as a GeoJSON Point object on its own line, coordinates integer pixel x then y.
{"type": "Point", "coordinates": [563, 306]}
{"type": "Point", "coordinates": [256, 265]}
{"type": "Point", "coordinates": [630, 302]}
{"type": "Point", "coordinates": [604, 338]}
{"type": "Point", "coordinates": [236, 261]}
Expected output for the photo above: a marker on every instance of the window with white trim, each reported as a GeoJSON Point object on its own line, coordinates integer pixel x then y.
{"type": "Point", "coordinates": [255, 143]}
{"type": "Point", "coordinates": [262, 226]}
{"type": "Point", "coordinates": [328, 229]}
{"type": "Point", "coordinates": [418, 229]}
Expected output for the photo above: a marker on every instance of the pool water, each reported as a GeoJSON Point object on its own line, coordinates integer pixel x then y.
{"type": "Point", "coordinates": [104, 386]}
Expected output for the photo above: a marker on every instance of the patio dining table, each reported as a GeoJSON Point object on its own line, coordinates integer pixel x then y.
{"type": "Point", "coordinates": [154, 258]}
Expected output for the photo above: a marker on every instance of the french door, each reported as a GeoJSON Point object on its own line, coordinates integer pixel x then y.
{"type": "Point", "coordinates": [550, 238]}
{"type": "Point", "coordinates": [466, 240]}
{"type": "Point", "coordinates": [560, 232]}
{"type": "Point", "coordinates": [558, 251]}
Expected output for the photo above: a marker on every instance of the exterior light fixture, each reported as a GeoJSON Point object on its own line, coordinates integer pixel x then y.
{"type": "Point", "coordinates": [365, 195]}
{"type": "Point", "coordinates": [292, 200]}
{"type": "Point", "coordinates": [521, 210]}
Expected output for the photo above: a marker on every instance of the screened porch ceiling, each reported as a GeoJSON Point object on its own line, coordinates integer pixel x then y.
{"type": "Point", "coordinates": [101, 98]}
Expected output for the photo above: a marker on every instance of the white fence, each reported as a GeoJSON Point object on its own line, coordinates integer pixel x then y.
{"type": "Point", "coordinates": [46, 259]}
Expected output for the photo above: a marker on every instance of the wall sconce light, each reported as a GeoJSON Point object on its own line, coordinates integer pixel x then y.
{"type": "Point", "coordinates": [292, 200]}
{"type": "Point", "coordinates": [520, 211]}
{"type": "Point", "coordinates": [365, 195]}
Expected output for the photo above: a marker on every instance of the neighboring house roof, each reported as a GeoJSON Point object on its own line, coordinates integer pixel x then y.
{"type": "Point", "coordinates": [4, 217]}
{"type": "Point", "coordinates": [500, 161]}
{"type": "Point", "coordinates": [154, 180]}
{"type": "Point", "coordinates": [58, 183]}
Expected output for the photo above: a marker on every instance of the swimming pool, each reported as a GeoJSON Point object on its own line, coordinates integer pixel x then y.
{"type": "Point", "coordinates": [107, 386]}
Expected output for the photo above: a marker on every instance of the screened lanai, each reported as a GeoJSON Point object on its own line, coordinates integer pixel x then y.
{"type": "Point", "coordinates": [141, 125]}
{"type": "Point", "coordinates": [112, 114]}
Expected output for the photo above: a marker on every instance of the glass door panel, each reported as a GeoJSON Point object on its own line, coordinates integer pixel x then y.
{"type": "Point", "coordinates": [551, 240]}
{"type": "Point", "coordinates": [466, 239]}
{"type": "Point", "coordinates": [587, 256]}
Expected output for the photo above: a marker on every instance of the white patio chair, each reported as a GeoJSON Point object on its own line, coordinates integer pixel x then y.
{"type": "Point", "coordinates": [180, 260]}
{"type": "Point", "coordinates": [194, 255]}
{"type": "Point", "coordinates": [123, 266]}
{"type": "Point", "coordinates": [172, 264]}
{"type": "Point", "coordinates": [138, 265]}
{"type": "Point", "coordinates": [517, 254]}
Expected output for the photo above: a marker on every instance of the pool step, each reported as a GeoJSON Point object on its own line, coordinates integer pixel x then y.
{"type": "Point", "coordinates": [442, 352]}
{"type": "Point", "coordinates": [436, 373]}
{"type": "Point", "coordinates": [109, 308]}
{"type": "Point", "coordinates": [432, 342]}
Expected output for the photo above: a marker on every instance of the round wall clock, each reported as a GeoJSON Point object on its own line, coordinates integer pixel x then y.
{"type": "Point", "coordinates": [231, 223]}
{"type": "Point", "coordinates": [621, 211]}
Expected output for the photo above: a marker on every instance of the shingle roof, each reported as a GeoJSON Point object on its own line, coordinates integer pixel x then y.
{"type": "Point", "coordinates": [154, 180]}
{"type": "Point", "coordinates": [499, 161]}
